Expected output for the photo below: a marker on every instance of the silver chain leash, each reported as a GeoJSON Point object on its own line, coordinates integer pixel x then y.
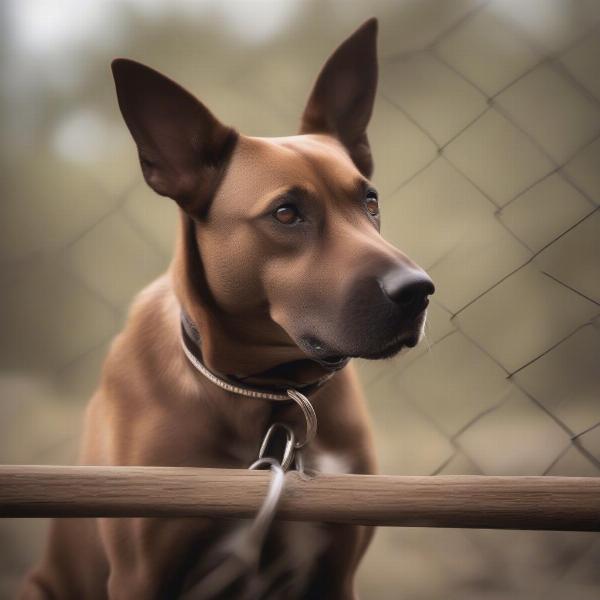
{"type": "Point", "coordinates": [245, 549]}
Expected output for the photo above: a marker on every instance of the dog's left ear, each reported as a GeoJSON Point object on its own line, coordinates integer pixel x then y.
{"type": "Point", "coordinates": [183, 148]}
{"type": "Point", "coordinates": [342, 99]}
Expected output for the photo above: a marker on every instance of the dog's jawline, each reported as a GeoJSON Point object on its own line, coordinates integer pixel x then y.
{"type": "Point", "coordinates": [387, 352]}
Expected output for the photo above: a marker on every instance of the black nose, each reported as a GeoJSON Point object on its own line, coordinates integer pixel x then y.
{"type": "Point", "coordinates": [409, 288]}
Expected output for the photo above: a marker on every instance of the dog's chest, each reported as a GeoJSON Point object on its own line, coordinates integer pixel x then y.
{"type": "Point", "coordinates": [291, 550]}
{"type": "Point", "coordinates": [334, 463]}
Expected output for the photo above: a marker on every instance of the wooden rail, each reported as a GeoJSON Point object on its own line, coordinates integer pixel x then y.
{"type": "Point", "coordinates": [559, 503]}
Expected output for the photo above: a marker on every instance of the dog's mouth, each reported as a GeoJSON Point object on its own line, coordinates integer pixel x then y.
{"type": "Point", "coordinates": [337, 361]}
{"type": "Point", "coordinates": [393, 347]}
{"type": "Point", "coordinates": [333, 362]}
{"type": "Point", "coordinates": [320, 353]}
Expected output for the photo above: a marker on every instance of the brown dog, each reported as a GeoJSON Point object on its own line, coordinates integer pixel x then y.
{"type": "Point", "coordinates": [281, 269]}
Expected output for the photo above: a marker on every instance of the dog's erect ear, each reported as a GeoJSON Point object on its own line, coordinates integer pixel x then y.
{"type": "Point", "coordinates": [183, 148]}
{"type": "Point", "coordinates": [342, 99]}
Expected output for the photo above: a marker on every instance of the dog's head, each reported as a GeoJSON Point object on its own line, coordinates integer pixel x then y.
{"type": "Point", "coordinates": [286, 228]}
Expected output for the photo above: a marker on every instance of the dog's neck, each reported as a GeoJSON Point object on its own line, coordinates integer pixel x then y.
{"type": "Point", "coordinates": [231, 346]}
{"type": "Point", "coordinates": [191, 342]}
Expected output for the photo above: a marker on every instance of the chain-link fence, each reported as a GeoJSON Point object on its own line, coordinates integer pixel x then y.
{"type": "Point", "coordinates": [486, 136]}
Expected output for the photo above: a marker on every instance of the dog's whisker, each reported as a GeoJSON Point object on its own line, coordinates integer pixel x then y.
{"type": "Point", "coordinates": [426, 332]}
{"type": "Point", "coordinates": [428, 343]}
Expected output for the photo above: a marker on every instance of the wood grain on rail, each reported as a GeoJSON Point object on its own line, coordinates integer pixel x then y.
{"type": "Point", "coordinates": [558, 503]}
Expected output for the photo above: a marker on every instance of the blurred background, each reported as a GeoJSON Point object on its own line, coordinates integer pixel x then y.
{"type": "Point", "coordinates": [486, 137]}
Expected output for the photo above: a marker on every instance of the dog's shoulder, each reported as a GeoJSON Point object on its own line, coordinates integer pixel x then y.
{"type": "Point", "coordinates": [149, 319]}
{"type": "Point", "coordinates": [148, 344]}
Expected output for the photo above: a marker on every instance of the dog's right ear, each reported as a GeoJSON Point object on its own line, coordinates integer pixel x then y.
{"type": "Point", "coordinates": [183, 148]}
{"type": "Point", "coordinates": [341, 101]}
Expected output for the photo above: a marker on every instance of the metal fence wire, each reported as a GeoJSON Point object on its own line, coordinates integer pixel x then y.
{"type": "Point", "coordinates": [486, 137]}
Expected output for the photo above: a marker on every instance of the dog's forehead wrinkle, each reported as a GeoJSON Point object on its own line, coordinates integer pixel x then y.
{"type": "Point", "coordinates": [316, 162]}
{"type": "Point", "coordinates": [323, 174]}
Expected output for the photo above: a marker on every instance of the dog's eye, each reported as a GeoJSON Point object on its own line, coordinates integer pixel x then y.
{"type": "Point", "coordinates": [287, 214]}
{"type": "Point", "coordinates": [372, 203]}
